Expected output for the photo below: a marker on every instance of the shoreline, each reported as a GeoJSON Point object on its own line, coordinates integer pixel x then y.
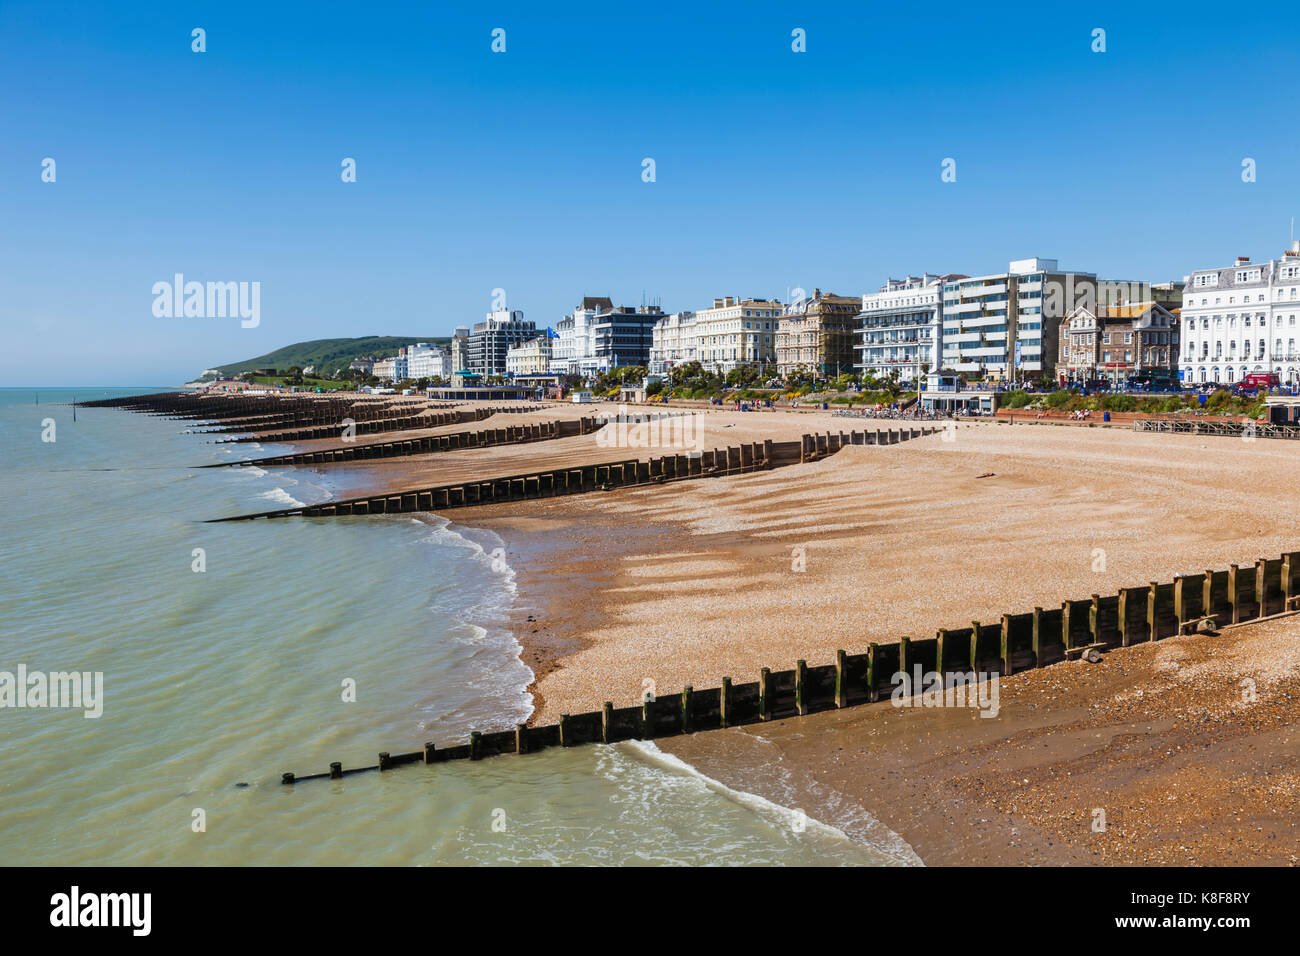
{"type": "Point", "coordinates": [688, 583]}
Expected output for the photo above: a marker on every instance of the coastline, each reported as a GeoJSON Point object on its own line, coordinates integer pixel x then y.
{"type": "Point", "coordinates": [662, 587]}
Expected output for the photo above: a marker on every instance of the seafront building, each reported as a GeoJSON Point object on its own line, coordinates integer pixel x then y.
{"type": "Point", "coordinates": [1241, 320]}
{"type": "Point", "coordinates": [530, 358]}
{"type": "Point", "coordinates": [672, 342]}
{"type": "Point", "coordinates": [817, 334]}
{"type": "Point", "coordinates": [385, 368]}
{"type": "Point", "coordinates": [487, 345]}
{"type": "Point", "coordinates": [901, 326]}
{"type": "Point", "coordinates": [426, 361]}
{"type": "Point", "coordinates": [1115, 343]}
{"type": "Point", "coordinates": [1004, 327]}
{"type": "Point", "coordinates": [598, 336]}
{"type": "Point", "coordinates": [736, 332]}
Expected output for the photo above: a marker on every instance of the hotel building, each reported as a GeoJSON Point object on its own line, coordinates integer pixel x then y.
{"type": "Point", "coordinates": [901, 321]}
{"type": "Point", "coordinates": [1242, 320]}
{"type": "Point", "coordinates": [531, 358]}
{"type": "Point", "coordinates": [672, 342]}
{"type": "Point", "coordinates": [817, 334]}
{"type": "Point", "coordinates": [737, 332]}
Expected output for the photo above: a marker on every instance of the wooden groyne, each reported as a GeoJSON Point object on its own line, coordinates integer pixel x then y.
{"type": "Point", "coordinates": [603, 476]}
{"type": "Point", "coordinates": [1246, 428]}
{"type": "Point", "coordinates": [1017, 642]}
{"type": "Point", "coordinates": [428, 444]}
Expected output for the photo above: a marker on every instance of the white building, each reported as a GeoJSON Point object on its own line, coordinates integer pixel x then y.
{"type": "Point", "coordinates": [530, 358]}
{"type": "Point", "coordinates": [1004, 326]}
{"type": "Point", "coordinates": [737, 332]}
{"type": "Point", "coordinates": [1242, 320]}
{"type": "Point", "coordinates": [427, 361]}
{"type": "Point", "coordinates": [905, 317]}
{"type": "Point", "coordinates": [672, 342]}
{"type": "Point", "coordinates": [385, 368]}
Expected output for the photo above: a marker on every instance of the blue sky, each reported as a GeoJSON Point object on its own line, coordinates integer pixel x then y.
{"type": "Point", "coordinates": [522, 170]}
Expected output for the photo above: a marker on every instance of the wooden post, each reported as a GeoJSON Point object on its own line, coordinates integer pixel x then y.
{"type": "Point", "coordinates": [1006, 645]}
{"type": "Point", "coordinates": [800, 673]}
{"type": "Point", "coordinates": [841, 689]}
{"type": "Point", "coordinates": [286, 778]}
{"type": "Point", "coordinates": [1151, 611]}
{"type": "Point", "coordinates": [1124, 634]}
{"type": "Point", "coordinates": [724, 701]}
{"type": "Point", "coordinates": [1233, 593]}
{"type": "Point", "coordinates": [564, 726]}
{"type": "Point", "coordinates": [429, 751]}
{"type": "Point", "coordinates": [687, 691]}
{"type": "Point", "coordinates": [904, 645]}
{"type": "Point", "coordinates": [1180, 602]}
{"type": "Point", "coordinates": [521, 738]}
{"type": "Point", "coordinates": [475, 745]}
{"type": "Point", "coordinates": [336, 770]}
{"type": "Point", "coordinates": [940, 649]}
{"type": "Point", "coordinates": [764, 676]}
{"type": "Point", "coordinates": [647, 725]}
{"type": "Point", "coordinates": [1037, 637]}
{"type": "Point", "coordinates": [974, 644]}
{"type": "Point", "coordinates": [606, 718]}
{"type": "Point", "coordinates": [872, 694]}
{"type": "Point", "coordinates": [1094, 618]}
{"type": "Point", "coordinates": [384, 760]}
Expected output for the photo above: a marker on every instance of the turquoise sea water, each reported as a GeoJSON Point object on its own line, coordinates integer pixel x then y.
{"type": "Point", "coordinates": [236, 673]}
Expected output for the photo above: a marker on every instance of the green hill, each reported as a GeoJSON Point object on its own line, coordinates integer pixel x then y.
{"type": "Point", "coordinates": [329, 355]}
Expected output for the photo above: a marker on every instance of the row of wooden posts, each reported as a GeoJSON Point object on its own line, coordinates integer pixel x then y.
{"type": "Point", "coordinates": [425, 444]}
{"type": "Point", "coordinates": [1020, 641]}
{"type": "Point", "coordinates": [737, 459]}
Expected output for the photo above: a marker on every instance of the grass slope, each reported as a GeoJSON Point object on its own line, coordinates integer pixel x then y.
{"type": "Point", "coordinates": [329, 354]}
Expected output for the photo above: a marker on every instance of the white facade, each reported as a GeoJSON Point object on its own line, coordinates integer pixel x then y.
{"type": "Point", "coordinates": [574, 348]}
{"type": "Point", "coordinates": [672, 342]}
{"type": "Point", "coordinates": [901, 320]}
{"type": "Point", "coordinates": [1242, 320]}
{"type": "Point", "coordinates": [385, 368]}
{"type": "Point", "coordinates": [427, 361]}
{"type": "Point", "coordinates": [1005, 326]}
{"type": "Point", "coordinates": [737, 332]}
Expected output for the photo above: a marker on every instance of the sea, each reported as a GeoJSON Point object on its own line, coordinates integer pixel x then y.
{"type": "Point", "coordinates": [233, 652]}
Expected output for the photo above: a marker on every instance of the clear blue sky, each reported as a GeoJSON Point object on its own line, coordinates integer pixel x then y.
{"type": "Point", "coordinates": [522, 170]}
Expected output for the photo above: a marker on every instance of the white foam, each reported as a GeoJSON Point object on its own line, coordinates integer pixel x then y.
{"type": "Point", "coordinates": [280, 496]}
{"type": "Point", "coordinates": [882, 840]}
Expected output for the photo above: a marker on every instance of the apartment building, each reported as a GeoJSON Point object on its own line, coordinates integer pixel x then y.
{"type": "Point", "coordinates": [817, 334]}
{"type": "Point", "coordinates": [385, 368]}
{"type": "Point", "coordinates": [672, 342]}
{"type": "Point", "coordinates": [902, 325]}
{"type": "Point", "coordinates": [1116, 343]}
{"type": "Point", "coordinates": [426, 361]}
{"type": "Point", "coordinates": [530, 358]}
{"type": "Point", "coordinates": [736, 332]}
{"type": "Point", "coordinates": [1004, 326]}
{"type": "Point", "coordinates": [487, 345]}
{"type": "Point", "coordinates": [1241, 320]}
